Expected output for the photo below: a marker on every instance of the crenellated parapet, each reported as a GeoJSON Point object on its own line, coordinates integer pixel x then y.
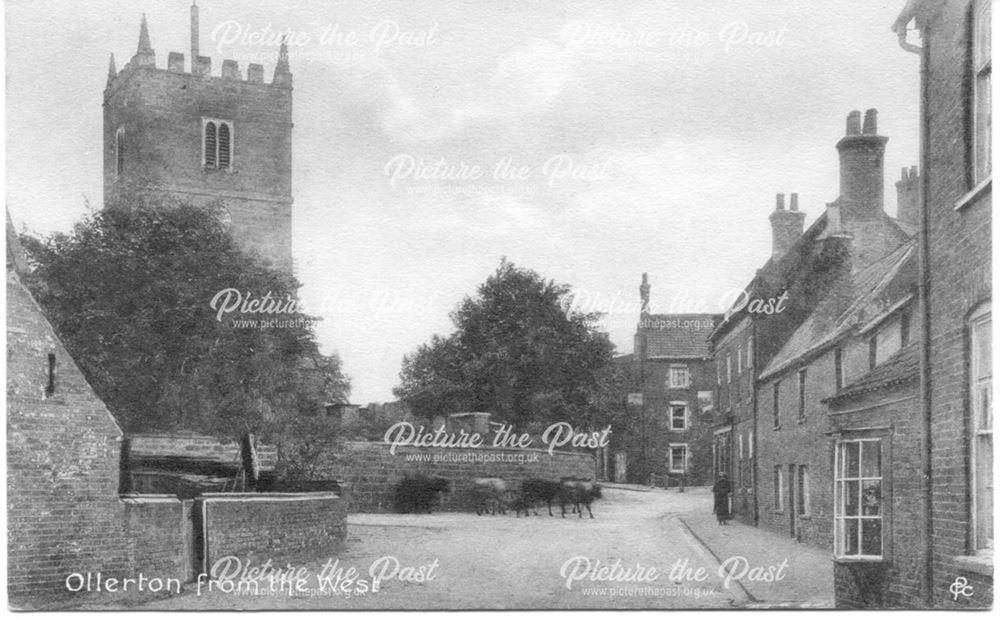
{"type": "Point", "coordinates": [201, 66]}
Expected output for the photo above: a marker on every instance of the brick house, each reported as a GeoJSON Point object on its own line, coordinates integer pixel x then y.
{"type": "Point", "coordinates": [203, 138]}
{"type": "Point", "coordinates": [857, 259]}
{"type": "Point", "coordinates": [671, 443]}
{"type": "Point", "coordinates": [956, 455]}
{"type": "Point", "coordinates": [746, 339]}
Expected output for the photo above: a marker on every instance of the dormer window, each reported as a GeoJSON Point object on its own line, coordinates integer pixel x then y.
{"type": "Point", "coordinates": [217, 143]}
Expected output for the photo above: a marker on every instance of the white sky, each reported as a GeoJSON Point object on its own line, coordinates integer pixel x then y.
{"type": "Point", "coordinates": [678, 142]}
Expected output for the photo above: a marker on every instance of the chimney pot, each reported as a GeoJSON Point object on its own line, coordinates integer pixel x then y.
{"type": "Point", "coordinates": [914, 174]}
{"type": "Point", "coordinates": [794, 202]}
{"type": "Point", "coordinates": [871, 122]}
{"type": "Point", "coordinates": [779, 202]}
{"type": "Point", "coordinates": [854, 123]}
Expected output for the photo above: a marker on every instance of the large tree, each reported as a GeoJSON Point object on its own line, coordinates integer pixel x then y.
{"type": "Point", "coordinates": [519, 351]}
{"type": "Point", "coordinates": [130, 293]}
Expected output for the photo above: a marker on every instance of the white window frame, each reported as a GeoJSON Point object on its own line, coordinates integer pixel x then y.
{"type": "Point", "coordinates": [840, 482]}
{"type": "Point", "coordinates": [739, 360]}
{"type": "Point", "coordinates": [681, 370]}
{"type": "Point", "coordinates": [687, 414]}
{"type": "Point", "coordinates": [750, 352]}
{"type": "Point", "coordinates": [981, 76]}
{"type": "Point", "coordinates": [802, 492]}
{"type": "Point", "coordinates": [729, 369]}
{"type": "Point", "coordinates": [750, 444]}
{"type": "Point", "coordinates": [741, 446]}
{"type": "Point", "coordinates": [980, 430]}
{"type": "Point", "coordinates": [683, 448]}
{"type": "Point", "coordinates": [232, 143]}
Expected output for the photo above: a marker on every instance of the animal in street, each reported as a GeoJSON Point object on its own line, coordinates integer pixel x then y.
{"type": "Point", "coordinates": [579, 493]}
{"type": "Point", "coordinates": [490, 495]}
{"type": "Point", "coordinates": [418, 494]}
{"type": "Point", "coordinates": [535, 492]}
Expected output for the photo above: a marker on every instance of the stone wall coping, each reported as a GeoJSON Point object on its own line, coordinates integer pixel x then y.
{"type": "Point", "coordinates": [223, 497]}
{"type": "Point", "coordinates": [149, 498]}
{"type": "Point", "coordinates": [484, 448]}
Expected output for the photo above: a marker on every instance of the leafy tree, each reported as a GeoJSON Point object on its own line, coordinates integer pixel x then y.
{"type": "Point", "coordinates": [129, 292]}
{"type": "Point", "coordinates": [519, 351]}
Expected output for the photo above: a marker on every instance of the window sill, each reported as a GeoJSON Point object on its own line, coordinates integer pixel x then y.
{"type": "Point", "coordinates": [861, 561]}
{"type": "Point", "coordinates": [978, 564]}
{"type": "Point", "coordinates": [973, 195]}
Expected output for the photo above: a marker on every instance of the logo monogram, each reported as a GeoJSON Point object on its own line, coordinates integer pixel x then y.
{"type": "Point", "coordinates": [961, 586]}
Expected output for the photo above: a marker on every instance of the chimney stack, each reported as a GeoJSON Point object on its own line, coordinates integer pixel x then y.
{"type": "Point", "coordinates": [862, 152]}
{"type": "Point", "coordinates": [908, 196]}
{"type": "Point", "coordinates": [786, 225]}
{"type": "Point", "coordinates": [644, 294]}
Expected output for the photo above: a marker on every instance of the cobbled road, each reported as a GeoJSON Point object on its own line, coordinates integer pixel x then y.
{"type": "Point", "coordinates": [464, 561]}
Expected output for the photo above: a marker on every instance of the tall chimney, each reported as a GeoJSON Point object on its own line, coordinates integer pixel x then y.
{"type": "Point", "coordinates": [908, 196]}
{"type": "Point", "coordinates": [861, 176]}
{"type": "Point", "coordinates": [194, 34]}
{"type": "Point", "coordinates": [644, 294]}
{"type": "Point", "coordinates": [786, 225]}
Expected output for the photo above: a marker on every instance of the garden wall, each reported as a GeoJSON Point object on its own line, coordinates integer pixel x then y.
{"type": "Point", "coordinates": [371, 473]}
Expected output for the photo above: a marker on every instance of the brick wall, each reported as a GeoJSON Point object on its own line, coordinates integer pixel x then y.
{"type": "Point", "coordinates": [154, 532]}
{"type": "Point", "coordinates": [372, 473]}
{"type": "Point", "coordinates": [960, 279]}
{"type": "Point", "coordinates": [739, 412]}
{"type": "Point", "coordinates": [797, 442]}
{"type": "Point", "coordinates": [896, 582]}
{"type": "Point", "coordinates": [62, 460]}
{"type": "Point", "coordinates": [198, 447]}
{"type": "Point", "coordinates": [659, 435]}
{"type": "Point", "coordinates": [282, 527]}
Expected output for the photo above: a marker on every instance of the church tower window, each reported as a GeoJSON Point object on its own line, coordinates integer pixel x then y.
{"type": "Point", "coordinates": [217, 143]}
{"type": "Point", "coordinates": [119, 151]}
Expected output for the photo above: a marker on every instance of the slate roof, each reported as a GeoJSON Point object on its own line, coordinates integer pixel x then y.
{"type": "Point", "coordinates": [901, 368]}
{"type": "Point", "coordinates": [851, 301]}
{"type": "Point", "coordinates": [677, 336]}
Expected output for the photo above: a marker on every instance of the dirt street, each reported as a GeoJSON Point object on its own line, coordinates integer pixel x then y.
{"type": "Point", "coordinates": [459, 560]}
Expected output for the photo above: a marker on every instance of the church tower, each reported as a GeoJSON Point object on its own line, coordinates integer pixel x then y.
{"type": "Point", "coordinates": [202, 138]}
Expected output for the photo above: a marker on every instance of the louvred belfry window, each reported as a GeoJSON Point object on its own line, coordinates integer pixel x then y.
{"type": "Point", "coordinates": [119, 151]}
{"type": "Point", "coordinates": [211, 144]}
{"type": "Point", "coordinates": [224, 144]}
{"type": "Point", "coordinates": [217, 144]}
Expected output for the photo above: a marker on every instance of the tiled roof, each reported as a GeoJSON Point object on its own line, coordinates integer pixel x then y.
{"type": "Point", "coordinates": [677, 335]}
{"type": "Point", "coordinates": [851, 301]}
{"type": "Point", "coordinates": [903, 367]}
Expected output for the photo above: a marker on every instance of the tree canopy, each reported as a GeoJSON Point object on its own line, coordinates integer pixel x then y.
{"type": "Point", "coordinates": [519, 351]}
{"type": "Point", "coordinates": [129, 291]}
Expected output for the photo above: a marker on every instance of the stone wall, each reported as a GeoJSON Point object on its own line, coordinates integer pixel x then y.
{"type": "Point", "coordinates": [371, 472]}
